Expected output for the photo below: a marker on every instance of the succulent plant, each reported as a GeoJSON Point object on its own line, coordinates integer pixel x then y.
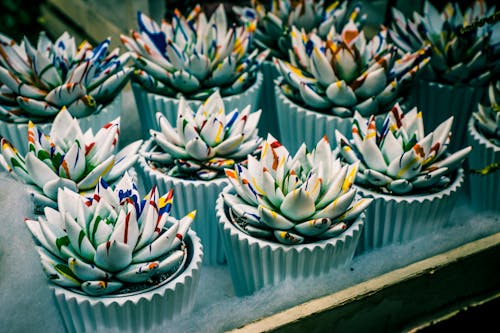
{"type": "Point", "coordinates": [344, 72]}
{"type": "Point", "coordinates": [193, 56]}
{"type": "Point", "coordinates": [35, 83]}
{"type": "Point", "coordinates": [487, 118]}
{"type": "Point", "coordinates": [204, 143]}
{"type": "Point", "coordinates": [293, 200]}
{"type": "Point", "coordinates": [112, 239]}
{"type": "Point", "coordinates": [273, 25]}
{"type": "Point", "coordinates": [464, 49]}
{"type": "Point", "coordinates": [68, 158]}
{"type": "Point", "coordinates": [399, 158]}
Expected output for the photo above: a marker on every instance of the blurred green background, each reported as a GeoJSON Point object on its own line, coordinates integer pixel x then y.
{"type": "Point", "coordinates": [28, 17]}
{"type": "Point", "coordinates": [19, 18]}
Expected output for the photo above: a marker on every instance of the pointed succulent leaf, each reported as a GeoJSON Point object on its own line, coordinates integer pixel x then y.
{"type": "Point", "coordinates": [158, 247]}
{"type": "Point", "coordinates": [274, 219]}
{"type": "Point", "coordinates": [141, 272]}
{"type": "Point", "coordinates": [36, 107]}
{"type": "Point", "coordinates": [101, 287]}
{"type": "Point", "coordinates": [341, 94]}
{"type": "Point", "coordinates": [57, 271]}
{"type": "Point", "coordinates": [113, 256]}
{"type": "Point", "coordinates": [92, 178]}
{"type": "Point", "coordinates": [336, 207]}
{"type": "Point", "coordinates": [172, 261]}
{"type": "Point", "coordinates": [313, 227]}
{"type": "Point", "coordinates": [355, 210]}
{"type": "Point", "coordinates": [288, 238]}
{"type": "Point", "coordinates": [123, 160]}
{"type": "Point", "coordinates": [39, 172]}
{"type": "Point", "coordinates": [298, 205]}
{"type": "Point", "coordinates": [85, 271]}
{"type": "Point", "coordinates": [334, 230]}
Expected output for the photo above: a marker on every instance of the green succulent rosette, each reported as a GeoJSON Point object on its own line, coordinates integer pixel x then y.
{"type": "Point", "coordinates": [37, 81]}
{"type": "Point", "coordinates": [398, 157]}
{"type": "Point", "coordinates": [487, 118]}
{"type": "Point", "coordinates": [67, 157]}
{"type": "Point", "coordinates": [204, 143]}
{"type": "Point", "coordinates": [344, 72]}
{"type": "Point", "coordinates": [293, 199]}
{"type": "Point", "coordinates": [465, 44]}
{"type": "Point", "coordinates": [192, 56]}
{"type": "Point", "coordinates": [112, 240]}
{"type": "Point", "coordinates": [273, 24]}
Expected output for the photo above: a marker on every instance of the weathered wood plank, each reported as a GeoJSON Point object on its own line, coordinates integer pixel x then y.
{"type": "Point", "coordinates": [95, 25]}
{"type": "Point", "coordinates": [392, 301]}
{"type": "Point", "coordinates": [53, 24]}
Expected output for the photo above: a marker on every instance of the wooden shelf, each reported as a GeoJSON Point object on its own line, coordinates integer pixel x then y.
{"type": "Point", "coordinates": [390, 302]}
{"type": "Point", "coordinates": [94, 20]}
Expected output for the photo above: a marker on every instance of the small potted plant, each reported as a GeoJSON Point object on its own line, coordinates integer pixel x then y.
{"type": "Point", "coordinates": [289, 217]}
{"type": "Point", "coordinates": [192, 156]}
{"type": "Point", "coordinates": [409, 175]}
{"type": "Point", "coordinates": [465, 56]}
{"type": "Point", "coordinates": [328, 79]}
{"type": "Point", "coordinates": [116, 260]}
{"type": "Point", "coordinates": [67, 157]}
{"type": "Point", "coordinates": [192, 57]}
{"type": "Point", "coordinates": [273, 25]}
{"type": "Point", "coordinates": [36, 82]}
{"type": "Point", "coordinates": [484, 137]}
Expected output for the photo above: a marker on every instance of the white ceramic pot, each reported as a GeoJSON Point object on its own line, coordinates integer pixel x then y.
{"type": "Point", "coordinates": [148, 104]}
{"type": "Point", "coordinates": [269, 118]}
{"type": "Point", "coordinates": [439, 101]}
{"type": "Point", "coordinates": [298, 124]}
{"type": "Point", "coordinates": [144, 311]}
{"type": "Point", "coordinates": [255, 263]}
{"type": "Point", "coordinates": [484, 189]}
{"type": "Point", "coordinates": [392, 219]}
{"type": "Point", "coordinates": [188, 196]}
{"type": "Point", "coordinates": [17, 133]}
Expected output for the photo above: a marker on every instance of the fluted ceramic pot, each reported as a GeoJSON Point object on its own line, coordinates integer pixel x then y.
{"type": "Point", "coordinates": [440, 101]}
{"type": "Point", "coordinates": [190, 195]}
{"type": "Point", "coordinates": [148, 104]}
{"type": "Point", "coordinates": [269, 117]}
{"type": "Point", "coordinates": [484, 189]}
{"type": "Point", "coordinates": [298, 124]}
{"type": "Point", "coordinates": [17, 133]}
{"type": "Point", "coordinates": [142, 311]}
{"type": "Point", "coordinates": [393, 219]}
{"type": "Point", "coordinates": [256, 263]}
